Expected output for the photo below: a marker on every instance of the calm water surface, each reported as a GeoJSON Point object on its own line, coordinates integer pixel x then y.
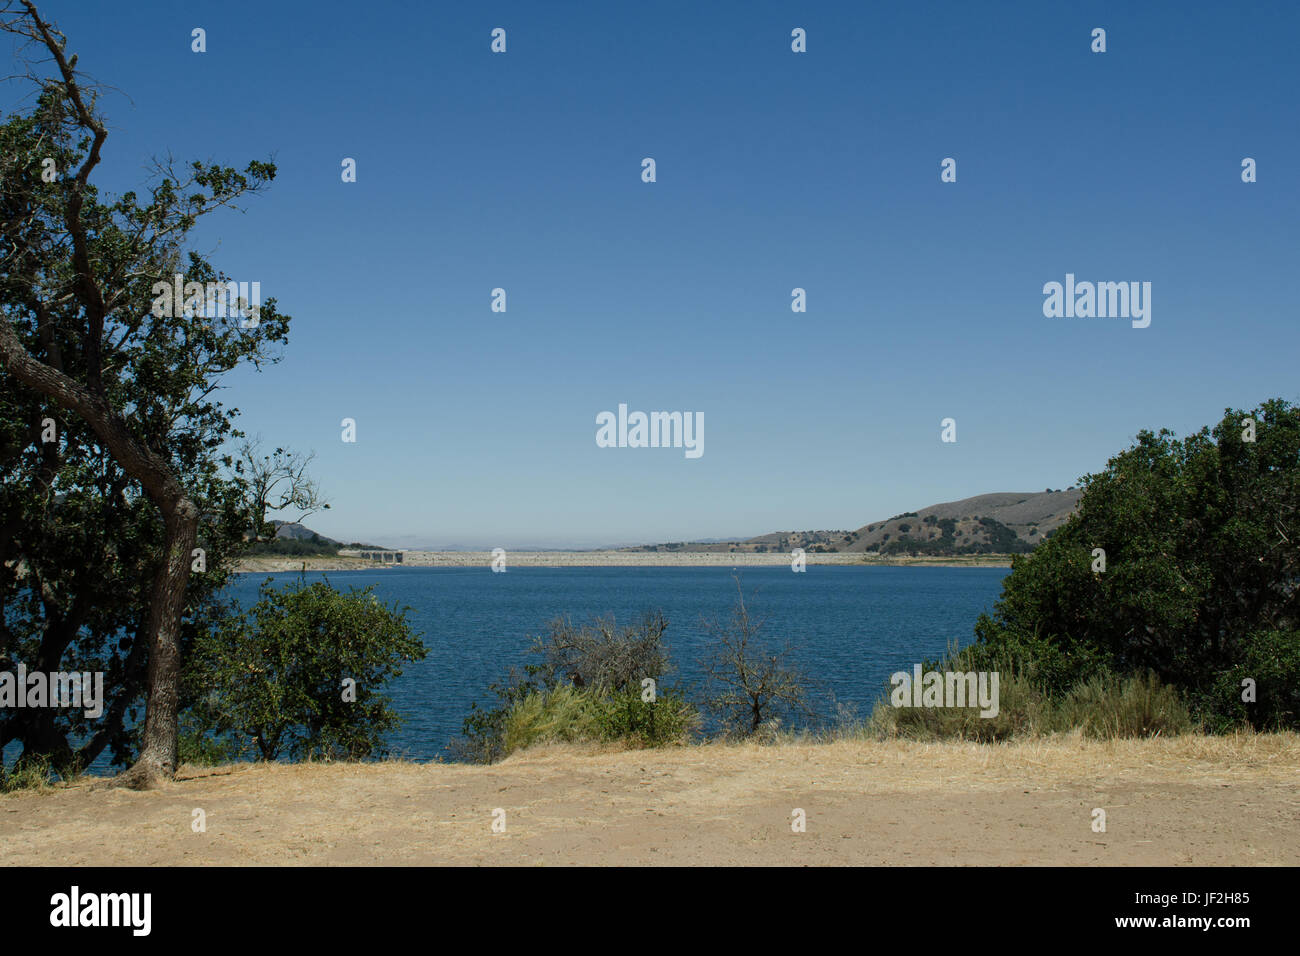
{"type": "Point", "coordinates": [853, 626]}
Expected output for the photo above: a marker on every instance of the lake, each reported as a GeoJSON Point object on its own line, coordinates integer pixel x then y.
{"type": "Point", "coordinates": [852, 626]}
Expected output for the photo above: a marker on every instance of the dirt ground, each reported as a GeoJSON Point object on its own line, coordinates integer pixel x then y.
{"type": "Point", "coordinates": [1190, 800]}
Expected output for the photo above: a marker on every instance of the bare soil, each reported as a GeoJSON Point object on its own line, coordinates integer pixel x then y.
{"type": "Point", "coordinates": [1189, 800]}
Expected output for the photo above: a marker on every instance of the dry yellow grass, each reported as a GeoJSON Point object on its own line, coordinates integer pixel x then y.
{"type": "Point", "coordinates": [1192, 799]}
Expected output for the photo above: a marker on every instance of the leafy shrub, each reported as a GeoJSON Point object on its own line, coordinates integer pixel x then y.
{"type": "Point", "coordinates": [561, 714]}
{"type": "Point", "coordinates": [670, 718]}
{"type": "Point", "coordinates": [1272, 660]}
{"type": "Point", "coordinates": [586, 685]}
{"type": "Point", "coordinates": [198, 745]}
{"type": "Point", "coordinates": [276, 673]}
{"type": "Point", "coordinates": [568, 714]}
{"type": "Point", "coordinates": [1202, 544]}
{"type": "Point", "coordinates": [1022, 710]}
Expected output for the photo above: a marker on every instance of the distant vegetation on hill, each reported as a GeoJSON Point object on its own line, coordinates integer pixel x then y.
{"type": "Point", "coordinates": [937, 536]}
{"type": "Point", "coordinates": [1000, 523]}
{"type": "Point", "coordinates": [295, 540]}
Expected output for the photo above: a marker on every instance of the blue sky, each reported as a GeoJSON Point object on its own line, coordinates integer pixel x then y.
{"type": "Point", "coordinates": [775, 170]}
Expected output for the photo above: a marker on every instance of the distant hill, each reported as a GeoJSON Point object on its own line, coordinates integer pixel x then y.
{"type": "Point", "coordinates": [1008, 522]}
{"type": "Point", "coordinates": [299, 532]}
{"type": "Point", "coordinates": [1004, 522]}
{"type": "Point", "coordinates": [1000, 523]}
{"type": "Point", "coordinates": [292, 538]}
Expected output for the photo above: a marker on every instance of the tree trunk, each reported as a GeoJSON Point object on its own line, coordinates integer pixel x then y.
{"type": "Point", "coordinates": [180, 517]}
{"type": "Point", "coordinates": [158, 752]}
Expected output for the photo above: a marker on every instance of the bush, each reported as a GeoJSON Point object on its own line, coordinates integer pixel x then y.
{"type": "Point", "coordinates": [601, 656]}
{"type": "Point", "coordinates": [751, 682]}
{"type": "Point", "coordinates": [562, 714]}
{"type": "Point", "coordinates": [301, 673]}
{"type": "Point", "coordinates": [198, 745]}
{"type": "Point", "coordinates": [1202, 546]}
{"type": "Point", "coordinates": [588, 685]}
{"type": "Point", "coordinates": [627, 717]}
{"type": "Point", "coordinates": [567, 714]}
{"type": "Point", "coordinates": [1109, 707]}
{"type": "Point", "coordinates": [1272, 660]}
{"type": "Point", "coordinates": [1105, 706]}
{"type": "Point", "coordinates": [1022, 711]}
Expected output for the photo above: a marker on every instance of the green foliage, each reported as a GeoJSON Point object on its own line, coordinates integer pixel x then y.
{"type": "Point", "coordinates": [83, 543]}
{"type": "Point", "coordinates": [1105, 706]}
{"type": "Point", "coordinates": [1109, 707]}
{"type": "Point", "coordinates": [629, 718]}
{"type": "Point", "coordinates": [568, 714]}
{"type": "Point", "coordinates": [1021, 712]}
{"type": "Point", "coordinates": [27, 773]}
{"type": "Point", "coordinates": [586, 686]}
{"type": "Point", "coordinates": [276, 674]}
{"type": "Point", "coordinates": [483, 730]}
{"type": "Point", "coordinates": [1272, 660]}
{"type": "Point", "coordinates": [1202, 549]}
{"type": "Point", "coordinates": [202, 748]}
{"type": "Point", "coordinates": [1054, 666]}
{"type": "Point", "coordinates": [562, 714]}
{"type": "Point", "coordinates": [1001, 540]}
{"type": "Point", "coordinates": [313, 546]}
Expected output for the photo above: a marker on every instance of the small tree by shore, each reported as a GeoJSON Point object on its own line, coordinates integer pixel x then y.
{"type": "Point", "coordinates": [750, 682]}
{"type": "Point", "coordinates": [300, 673]}
{"type": "Point", "coordinates": [1178, 574]}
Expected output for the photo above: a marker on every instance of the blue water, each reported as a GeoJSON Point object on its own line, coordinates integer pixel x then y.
{"type": "Point", "coordinates": [852, 626]}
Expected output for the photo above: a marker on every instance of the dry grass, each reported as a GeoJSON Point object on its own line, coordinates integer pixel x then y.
{"type": "Point", "coordinates": [1191, 799]}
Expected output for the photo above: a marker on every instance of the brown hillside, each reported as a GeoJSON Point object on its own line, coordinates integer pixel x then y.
{"type": "Point", "coordinates": [1031, 515]}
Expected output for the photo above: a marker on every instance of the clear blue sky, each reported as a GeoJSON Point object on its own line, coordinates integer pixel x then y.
{"type": "Point", "coordinates": [775, 170]}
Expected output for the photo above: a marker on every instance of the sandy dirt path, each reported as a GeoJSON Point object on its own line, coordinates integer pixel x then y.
{"type": "Point", "coordinates": [1192, 800]}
